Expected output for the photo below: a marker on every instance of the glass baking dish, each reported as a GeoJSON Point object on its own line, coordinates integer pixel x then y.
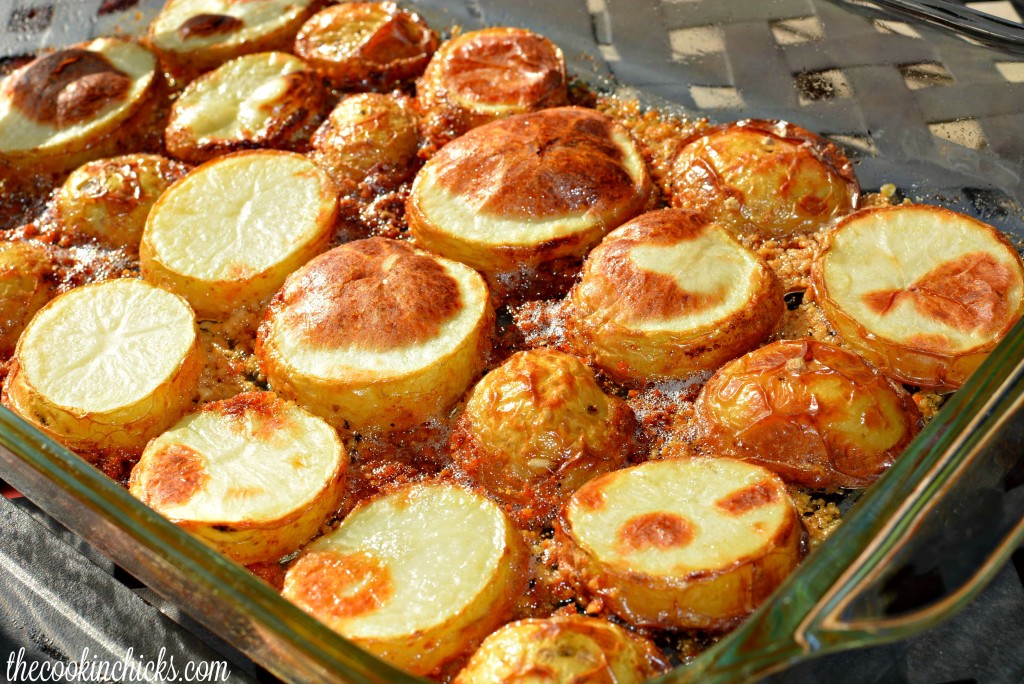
{"type": "Point", "coordinates": [934, 112]}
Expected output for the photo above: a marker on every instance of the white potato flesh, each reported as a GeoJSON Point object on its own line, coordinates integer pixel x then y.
{"type": "Point", "coordinates": [107, 366]}
{"type": "Point", "coordinates": [682, 543]}
{"type": "Point", "coordinates": [417, 576]}
{"type": "Point", "coordinates": [254, 476]}
{"type": "Point", "coordinates": [922, 292]}
{"type": "Point", "coordinates": [273, 211]}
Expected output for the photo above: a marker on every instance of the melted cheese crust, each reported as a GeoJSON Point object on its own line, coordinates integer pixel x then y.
{"type": "Point", "coordinates": [20, 134]}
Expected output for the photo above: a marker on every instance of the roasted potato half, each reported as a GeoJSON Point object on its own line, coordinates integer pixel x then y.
{"type": "Point", "coordinates": [693, 543]}
{"type": "Point", "coordinates": [815, 414]}
{"type": "Point", "coordinates": [74, 105]}
{"type": "Point", "coordinates": [108, 200]}
{"type": "Point", "coordinates": [527, 190]}
{"type": "Point", "coordinates": [26, 284]}
{"type": "Point", "coordinates": [417, 576]}
{"type": "Point", "coordinates": [368, 137]}
{"type": "Point", "coordinates": [273, 212]}
{"type": "Point", "coordinates": [764, 178]}
{"type": "Point", "coordinates": [366, 44]}
{"type": "Point", "coordinates": [922, 292]}
{"type": "Point", "coordinates": [194, 36]}
{"type": "Point", "coordinates": [574, 648]}
{"type": "Point", "coordinates": [269, 99]}
{"type": "Point", "coordinates": [106, 367]}
{"type": "Point", "coordinates": [253, 476]}
{"type": "Point", "coordinates": [376, 334]}
{"type": "Point", "coordinates": [670, 293]}
{"type": "Point", "coordinates": [537, 427]}
{"type": "Point", "coordinates": [480, 76]}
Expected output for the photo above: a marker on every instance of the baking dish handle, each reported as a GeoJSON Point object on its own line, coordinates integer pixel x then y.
{"type": "Point", "coordinates": [985, 28]}
{"type": "Point", "coordinates": [918, 546]}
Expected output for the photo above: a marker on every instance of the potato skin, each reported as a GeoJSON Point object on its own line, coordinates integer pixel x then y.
{"type": "Point", "coordinates": [764, 178]}
{"type": "Point", "coordinates": [536, 428]}
{"type": "Point", "coordinates": [397, 50]}
{"type": "Point", "coordinates": [109, 199]}
{"type": "Point", "coordinates": [26, 284]}
{"type": "Point", "coordinates": [572, 648]}
{"type": "Point", "coordinates": [815, 414]}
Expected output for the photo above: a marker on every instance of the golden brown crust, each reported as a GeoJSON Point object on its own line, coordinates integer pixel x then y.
{"type": "Point", "coordinates": [337, 586]}
{"type": "Point", "coordinates": [484, 75]}
{"type": "Point", "coordinates": [618, 299]}
{"type": "Point", "coordinates": [366, 44]}
{"type": "Point", "coordinates": [811, 412]}
{"type": "Point", "coordinates": [765, 178]}
{"type": "Point", "coordinates": [538, 427]}
{"type": "Point", "coordinates": [375, 294]}
{"type": "Point", "coordinates": [67, 87]}
{"type": "Point", "coordinates": [174, 474]}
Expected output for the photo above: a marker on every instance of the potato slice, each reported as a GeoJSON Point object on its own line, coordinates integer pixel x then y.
{"type": "Point", "coordinates": [273, 212]}
{"type": "Point", "coordinates": [764, 178]}
{"type": "Point", "coordinates": [526, 190]}
{"type": "Point", "coordinates": [815, 414]}
{"type": "Point", "coordinates": [106, 367]}
{"type": "Point", "coordinates": [193, 36]}
{"type": "Point", "coordinates": [77, 104]}
{"type": "Point", "coordinates": [575, 648]}
{"type": "Point", "coordinates": [253, 476]}
{"type": "Point", "coordinates": [922, 292]}
{"type": "Point", "coordinates": [26, 284]}
{"type": "Point", "coordinates": [376, 334]}
{"type": "Point", "coordinates": [537, 427]}
{"type": "Point", "coordinates": [417, 577]}
{"type": "Point", "coordinates": [269, 99]}
{"type": "Point", "coordinates": [369, 138]}
{"type": "Point", "coordinates": [670, 293]}
{"type": "Point", "coordinates": [366, 44]}
{"type": "Point", "coordinates": [481, 76]}
{"type": "Point", "coordinates": [681, 544]}
{"type": "Point", "coordinates": [109, 199]}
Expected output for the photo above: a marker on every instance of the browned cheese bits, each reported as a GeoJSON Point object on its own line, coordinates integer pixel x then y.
{"type": "Point", "coordinates": [815, 414]}
{"type": "Point", "coordinates": [764, 178]}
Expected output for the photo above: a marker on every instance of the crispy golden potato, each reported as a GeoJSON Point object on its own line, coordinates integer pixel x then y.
{"type": "Point", "coordinates": [372, 45]}
{"type": "Point", "coordinates": [106, 367]}
{"type": "Point", "coordinates": [417, 576]}
{"type": "Point", "coordinates": [764, 178]}
{"type": "Point", "coordinates": [253, 476]}
{"type": "Point", "coordinates": [490, 74]}
{"type": "Point", "coordinates": [108, 200]}
{"type": "Point", "coordinates": [539, 426]}
{"type": "Point", "coordinates": [368, 137]}
{"type": "Point", "coordinates": [922, 292]}
{"type": "Point", "coordinates": [273, 211]}
{"type": "Point", "coordinates": [670, 293]}
{"type": "Point", "coordinates": [559, 649]}
{"type": "Point", "coordinates": [815, 414]}
{"type": "Point", "coordinates": [524, 191]}
{"type": "Point", "coordinates": [375, 334]}
{"type": "Point", "coordinates": [26, 284]}
{"type": "Point", "coordinates": [682, 543]}
{"type": "Point", "coordinates": [194, 36]}
{"type": "Point", "coordinates": [269, 99]}
{"type": "Point", "coordinates": [78, 104]}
